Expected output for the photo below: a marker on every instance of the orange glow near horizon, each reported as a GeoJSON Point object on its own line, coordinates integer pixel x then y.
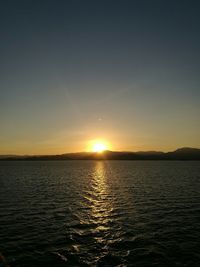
{"type": "Point", "coordinates": [98, 146]}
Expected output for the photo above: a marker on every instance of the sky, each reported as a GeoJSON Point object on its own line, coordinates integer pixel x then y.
{"type": "Point", "coordinates": [126, 72]}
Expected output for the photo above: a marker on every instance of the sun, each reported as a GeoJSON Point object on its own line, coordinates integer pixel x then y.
{"type": "Point", "coordinates": [98, 146]}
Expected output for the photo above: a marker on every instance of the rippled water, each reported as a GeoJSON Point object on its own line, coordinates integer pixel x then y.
{"type": "Point", "coordinates": [100, 213]}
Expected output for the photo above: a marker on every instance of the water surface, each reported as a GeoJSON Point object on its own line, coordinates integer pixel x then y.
{"type": "Point", "coordinates": [100, 213]}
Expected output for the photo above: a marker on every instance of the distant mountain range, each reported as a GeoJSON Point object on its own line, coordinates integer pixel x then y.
{"type": "Point", "coordinates": [185, 153]}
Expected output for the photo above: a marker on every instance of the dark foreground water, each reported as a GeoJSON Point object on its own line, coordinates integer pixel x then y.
{"type": "Point", "coordinates": [100, 213]}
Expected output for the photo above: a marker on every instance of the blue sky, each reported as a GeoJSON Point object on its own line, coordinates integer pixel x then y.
{"type": "Point", "coordinates": [123, 71]}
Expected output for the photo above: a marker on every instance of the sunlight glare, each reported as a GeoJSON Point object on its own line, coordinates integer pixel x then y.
{"type": "Point", "coordinates": [98, 146]}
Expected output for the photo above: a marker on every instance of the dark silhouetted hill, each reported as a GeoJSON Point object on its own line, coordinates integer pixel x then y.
{"type": "Point", "coordinates": [184, 153]}
{"type": "Point", "coordinates": [179, 154]}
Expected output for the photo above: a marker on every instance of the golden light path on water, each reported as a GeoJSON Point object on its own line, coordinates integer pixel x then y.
{"type": "Point", "coordinates": [99, 200]}
{"type": "Point", "coordinates": [104, 205]}
{"type": "Point", "coordinates": [101, 205]}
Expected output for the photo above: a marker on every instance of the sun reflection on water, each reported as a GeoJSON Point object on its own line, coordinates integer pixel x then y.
{"type": "Point", "coordinates": [101, 206]}
{"type": "Point", "coordinates": [97, 221]}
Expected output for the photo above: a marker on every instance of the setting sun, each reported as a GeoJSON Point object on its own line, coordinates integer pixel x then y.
{"type": "Point", "coordinates": [98, 146]}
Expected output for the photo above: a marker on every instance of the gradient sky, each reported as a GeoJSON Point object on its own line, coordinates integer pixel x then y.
{"type": "Point", "coordinates": [124, 71]}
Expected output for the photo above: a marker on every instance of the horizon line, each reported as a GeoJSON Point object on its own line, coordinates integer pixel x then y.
{"type": "Point", "coordinates": [94, 152]}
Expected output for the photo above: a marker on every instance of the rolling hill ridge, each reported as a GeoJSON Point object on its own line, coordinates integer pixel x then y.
{"type": "Point", "coordinates": [185, 153]}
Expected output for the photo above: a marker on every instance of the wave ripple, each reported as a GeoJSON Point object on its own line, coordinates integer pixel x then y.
{"type": "Point", "coordinates": [100, 213]}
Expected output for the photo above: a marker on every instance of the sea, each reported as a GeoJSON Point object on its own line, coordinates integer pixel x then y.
{"type": "Point", "coordinates": [100, 213]}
